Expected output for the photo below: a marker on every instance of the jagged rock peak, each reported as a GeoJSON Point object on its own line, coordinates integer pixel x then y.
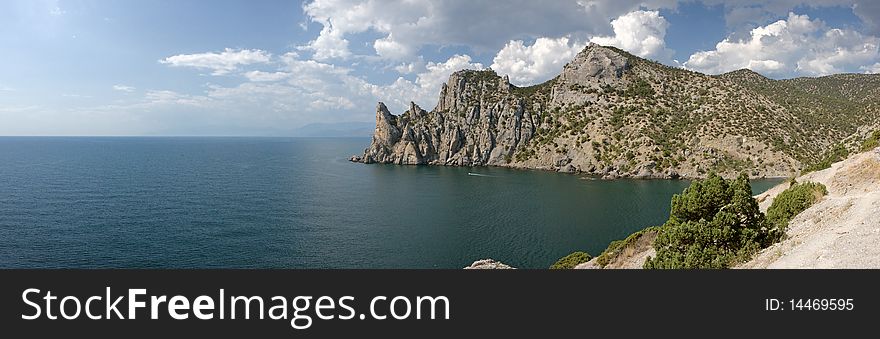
{"type": "Point", "coordinates": [387, 132]}
{"type": "Point", "coordinates": [596, 61]}
{"type": "Point", "coordinates": [415, 110]}
{"type": "Point", "coordinates": [469, 82]}
{"type": "Point", "coordinates": [593, 68]}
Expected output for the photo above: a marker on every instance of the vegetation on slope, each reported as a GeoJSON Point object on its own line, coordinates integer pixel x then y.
{"type": "Point", "coordinates": [872, 142]}
{"type": "Point", "coordinates": [617, 246]}
{"type": "Point", "coordinates": [716, 223]}
{"type": "Point", "coordinates": [790, 202]}
{"type": "Point", "coordinates": [713, 224]}
{"type": "Point", "coordinates": [570, 261]}
{"type": "Point", "coordinates": [828, 109]}
{"type": "Point", "coordinates": [643, 119]}
{"type": "Point", "coordinates": [837, 153]}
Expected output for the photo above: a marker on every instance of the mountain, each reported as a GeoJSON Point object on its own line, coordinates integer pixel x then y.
{"type": "Point", "coordinates": [613, 114]}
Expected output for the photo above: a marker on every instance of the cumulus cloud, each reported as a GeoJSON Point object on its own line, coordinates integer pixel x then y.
{"type": "Point", "coordinates": [329, 44]}
{"type": "Point", "coordinates": [219, 63]}
{"type": "Point", "coordinates": [792, 47]}
{"type": "Point", "coordinates": [642, 33]}
{"type": "Point", "coordinates": [388, 48]}
{"type": "Point", "coordinates": [530, 42]}
{"type": "Point", "coordinates": [405, 26]}
{"type": "Point", "coordinates": [123, 88]}
{"type": "Point", "coordinates": [528, 65]}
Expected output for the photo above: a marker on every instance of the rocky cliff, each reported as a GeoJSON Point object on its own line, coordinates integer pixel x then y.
{"type": "Point", "coordinates": [612, 114]}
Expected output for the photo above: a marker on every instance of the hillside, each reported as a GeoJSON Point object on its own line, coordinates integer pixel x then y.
{"type": "Point", "coordinates": [840, 231]}
{"type": "Point", "coordinates": [612, 114]}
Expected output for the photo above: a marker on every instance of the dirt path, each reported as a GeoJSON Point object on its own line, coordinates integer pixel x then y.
{"type": "Point", "coordinates": [840, 231]}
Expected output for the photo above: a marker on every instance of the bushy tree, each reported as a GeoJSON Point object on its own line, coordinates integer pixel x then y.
{"type": "Point", "coordinates": [712, 224]}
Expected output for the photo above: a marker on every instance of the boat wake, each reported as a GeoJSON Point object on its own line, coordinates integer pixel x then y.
{"type": "Point", "coordinates": [480, 175]}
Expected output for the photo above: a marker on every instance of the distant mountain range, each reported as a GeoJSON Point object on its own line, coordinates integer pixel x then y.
{"type": "Point", "coordinates": [612, 114]}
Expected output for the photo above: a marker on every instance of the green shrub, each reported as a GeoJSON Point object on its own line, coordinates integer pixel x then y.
{"type": "Point", "coordinates": [836, 154]}
{"type": "Point", "coordinates": [714, 223]}
{"type": "Point", "coordinates": [790, 202]}
{"type": "Point", "coordinates": [609, 253]}
{"type": "Point", "coordinates": [871, 142]}
{"type": "Point", "coordinates": [570, 261]}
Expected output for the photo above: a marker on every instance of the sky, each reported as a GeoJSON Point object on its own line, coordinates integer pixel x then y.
{"type": "Point", "coordinates": [269, 68]}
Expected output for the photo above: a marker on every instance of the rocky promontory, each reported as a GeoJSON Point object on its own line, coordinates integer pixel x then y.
{"type": "Point", "coordinates": [612, 114]}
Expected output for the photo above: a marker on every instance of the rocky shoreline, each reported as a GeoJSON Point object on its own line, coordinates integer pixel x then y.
{"type": "Point", "coordinates": [610, 115]}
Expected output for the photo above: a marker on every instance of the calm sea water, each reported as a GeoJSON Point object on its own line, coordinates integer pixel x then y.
{"type": "Point", "coordinates": [295, 203]}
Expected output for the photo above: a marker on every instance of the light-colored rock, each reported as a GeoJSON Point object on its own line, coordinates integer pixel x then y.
{"type": "Point", "coordinates": [608, 114]}
{"type": "Point", "coordinates": [589, 265]}
{"type": "Point", "coordinates": [592, 68]}
{"type": "Point", "coordinates": [488, 264]}
{"type": "Point", "coordinates": [476, 122]}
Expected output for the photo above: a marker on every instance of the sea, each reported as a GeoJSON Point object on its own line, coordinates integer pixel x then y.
{"type": "Point", "coordinates": [241, 202]}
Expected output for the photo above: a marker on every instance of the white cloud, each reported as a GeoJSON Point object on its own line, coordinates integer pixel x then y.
{"type": "Point", "coordinates": [796, 46]}
{"type": "Point", "coordinates": [220, 63]}
{"type": "Point", "coordinates": [123, 88]}
{"type": "Point", "coordinates": [328, 45]}
{"type": "Point", "coordinates": [642, 33]}
{"type": "Point", "coordinates": [261, 76]}
{"type": "Point", "coordinates": [305, 90]}
{"type": "Point", "coordinates": [389, 49]}
{"type": "Point", "coordinates": [873, 69]}
{"type": "Point", "coordinates": [426, 89]}
{"type": "Point", "coordinates": [528, 65]}
{"type": "Point", "coordinates": [405, 26]}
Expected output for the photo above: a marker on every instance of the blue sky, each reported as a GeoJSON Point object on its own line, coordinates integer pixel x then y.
{"type": "Point", "coordinates": [270, 67]}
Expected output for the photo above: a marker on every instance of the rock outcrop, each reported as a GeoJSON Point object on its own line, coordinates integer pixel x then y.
{"type": "Point", "coordinates": [476, 122]}
{"type": "Point", "coordinates": [488, 264]}
{"type": "Point", "coordinates": [612, 114]}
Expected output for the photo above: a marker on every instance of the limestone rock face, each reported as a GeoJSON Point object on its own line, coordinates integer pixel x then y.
{"type": "Point", "coordinates": [610, 114]}
{"type": "Point", "coordinates": [591, 70]}
{"type": "Point", "coordinates": [476, 122]}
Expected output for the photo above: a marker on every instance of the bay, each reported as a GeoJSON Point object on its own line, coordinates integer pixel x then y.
{"type": "Point", "coordinates": [157, 202]}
